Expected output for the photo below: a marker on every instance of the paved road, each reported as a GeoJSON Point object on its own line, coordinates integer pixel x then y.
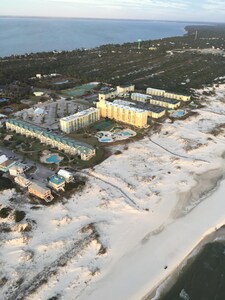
{"type": "Point", "coordinates": [40, 174]}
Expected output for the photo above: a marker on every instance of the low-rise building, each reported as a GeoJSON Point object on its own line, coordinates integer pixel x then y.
{"type": "Point", "coordinates": [178, 97]}
{"type": "Point", "coordinates": [66, 175]}
{"type": "Point", "coordinates": [163, 93]}
{"type": "Point", "coordinates": [120, 90]}
{"type": "Point", "coordinates": [57, 183]}
{"type": "Point", "coordinates": [155, 92]}
{"type": "Point", "coordinates": [156, 100]}
{"type": "Point", "coordinates": [108, 94]}
{"type": "Point", "coordinates": [140, 97]}
{"type": "Point", "coordinates": [22, 181]}
{"type": "Point", "coordinates": [16, 170]}
{"type": "Point", "coordinates": [80, 120]}
{"type": "Point", "coordinates": [40, 191]}
{"type": "Point", "coordinates": [66, 144]}
{"type": "Point", "coordinates": [5, 163]}
{"type": "Point", "coordinates": [164, 102]}
{"type": "Point", "coordinates": [125, 88]}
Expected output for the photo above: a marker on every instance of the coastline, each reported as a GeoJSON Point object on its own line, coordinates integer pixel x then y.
{"type": "Point", "coordinates": [217, 233]}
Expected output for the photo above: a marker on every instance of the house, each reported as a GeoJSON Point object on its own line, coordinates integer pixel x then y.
{"type": "Point", "coordinates": [66, 175]}
{"type": "Point", "coordinates": [57, 183]}
{"type": "Point", "coordinates": [22, 181]}
{"type": "Point", "coordinates": [5, 163]}
{"type": "Point", "coordinates": [16, 170]}
{"type": "Point", "coordinates": [40, 191]}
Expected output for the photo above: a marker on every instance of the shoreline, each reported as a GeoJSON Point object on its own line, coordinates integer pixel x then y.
{"type": "Point", "coordinates": [217, 235]}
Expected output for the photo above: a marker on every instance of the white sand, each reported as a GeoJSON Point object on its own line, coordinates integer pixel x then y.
{"type": "Point", "coordinates": [151, 206]}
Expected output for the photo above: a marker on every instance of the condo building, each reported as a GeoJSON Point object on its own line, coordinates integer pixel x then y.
{"type": "Point", "coordinates": [120, 90]}
{"type": "Point", "coordinates": [163, 93]}
{"type": "Point", "coordinates": [65, 144]}
{"type": "Point", "coordinates": [122, 113]}
{"type": "Point", "coordinates": [156, 100]}
{"type": "Point", "coordinates": [80, 120]}
{"type": "Point", "coordinates": [153, 111]}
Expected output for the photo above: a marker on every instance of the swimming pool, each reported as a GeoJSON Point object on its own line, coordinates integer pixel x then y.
{"type": "Point", "coordinates": [53, 159]}
{"type": "Point", "coordinates": [126, 133]}
{"type": "Point", "coordinates": [178, 114]}
{"type": "Point", "coordinates": [105, 140]}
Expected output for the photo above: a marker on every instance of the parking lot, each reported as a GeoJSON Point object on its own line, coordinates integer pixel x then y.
{"type": "Point", "coordinates": [47, 114]}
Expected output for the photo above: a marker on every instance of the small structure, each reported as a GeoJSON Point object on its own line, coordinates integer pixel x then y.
{"type": "Point", "coordinates": [39, 76]}
{"type": "Point", "coordinates": [38, 94]}
{"type": "Point", "coordinates": [5, 163]}
{"type": "Point", "coordinates": [39, 111]}
{"type": "Point", "coordinates": [22, 181]}
{"type": "Point", "coordinates": [66, 175]}
{"type": "Point", "coordinates": [57, 183]}
{"type": "Point", "coordinates": [40, 191]}
{"type": "Point", "coordinates": [16, 170]}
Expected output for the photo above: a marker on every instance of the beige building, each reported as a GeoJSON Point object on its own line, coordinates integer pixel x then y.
{"type": "Point", "coordinates": [110, 94]}
{"type": "Point", "coordinates": [121, 90]}
{"type": "Point", "coordinates": [178, 97]}
{"type": "Point", "coordinates": [125, 88]}
{"type": "Point", "coordinates": [140, 97]}
{"type": "Point", "coordinates": [40, 191]}
{"type": "Point", "coordinates": [155, 92]}
{"type": "Point", "coordinates": [130, 115]}
{"type": "Point", "coordinates": [65, 144]}
{"type": "Point", "coordinates": [163, 93]}
{"type": "Point", "coordinates": [22, 180]}
{"type": "Point", "coordinates": [80, 120]}
{"type": "Point", "coordinates": [156, 100]}
{"type": "Point", "coordinates": [153, 111]}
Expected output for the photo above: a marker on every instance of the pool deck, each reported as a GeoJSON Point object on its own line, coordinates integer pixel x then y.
{"type": "Point", "coordinates": [118, 135]}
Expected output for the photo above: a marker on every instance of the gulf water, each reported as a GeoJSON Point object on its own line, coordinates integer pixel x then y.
{"type": "Point", "coordinates": [26, 35]}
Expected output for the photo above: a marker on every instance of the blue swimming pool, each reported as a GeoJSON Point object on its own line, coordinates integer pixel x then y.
{"type": "Point", "coordinates": [53, 159]}
{"type": "Point", "coordinates": [178, 114]}
{"type": "Point", "coordinates": [126, 133]}
{"type": "Point", "coordinates": [106, 140]}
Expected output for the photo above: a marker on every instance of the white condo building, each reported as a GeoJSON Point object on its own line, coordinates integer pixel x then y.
{"type": "Point", "coordinates": [80, 120]}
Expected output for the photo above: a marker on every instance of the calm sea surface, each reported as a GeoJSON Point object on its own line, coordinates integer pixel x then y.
{"type": "Point", "coordinates": [25, 35]}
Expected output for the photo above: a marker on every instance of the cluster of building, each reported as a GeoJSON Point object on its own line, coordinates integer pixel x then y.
{"type": "Point", "coordinates": [17, 171]}
{"type": "Point", "coordinates": [153, 104]}
{"type": "Point", "coordinates": [65, 144]}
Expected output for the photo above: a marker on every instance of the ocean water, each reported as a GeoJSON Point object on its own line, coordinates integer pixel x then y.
{"type": "Point", "coordinates": [26, 35]}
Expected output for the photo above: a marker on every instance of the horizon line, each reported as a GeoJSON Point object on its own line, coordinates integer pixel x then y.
{"type": "Point", "coordinates": [109, 19]}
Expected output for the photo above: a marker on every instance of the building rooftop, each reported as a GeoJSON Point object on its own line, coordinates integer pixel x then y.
{"type": "Point", "coordinates": [39, 187]}
{"type": "Point", "coordinates": [165, 99]}
{"type": "Point", "coordinates": [79, 114]}
{"type": "Point", "coordinates": [143, 106]}
{"type": "Point", "coordinates": [122, 104]}
{"type": "Point", "coordinates": [141, 95]}
{"type": "Point", "coordinates": [112, 90]}
{"type": "Point", "coordinates": [64, 173]}
{"type": "Point", "coordinates": [82, 147]}
{"type": "Point", "coordinates": [57, 179]}
{"type": "Point", "coordinates": [125, 85]}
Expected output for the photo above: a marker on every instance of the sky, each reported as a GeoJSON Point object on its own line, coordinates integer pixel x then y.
{"type": "Point", "coordinates": [184, 10]}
